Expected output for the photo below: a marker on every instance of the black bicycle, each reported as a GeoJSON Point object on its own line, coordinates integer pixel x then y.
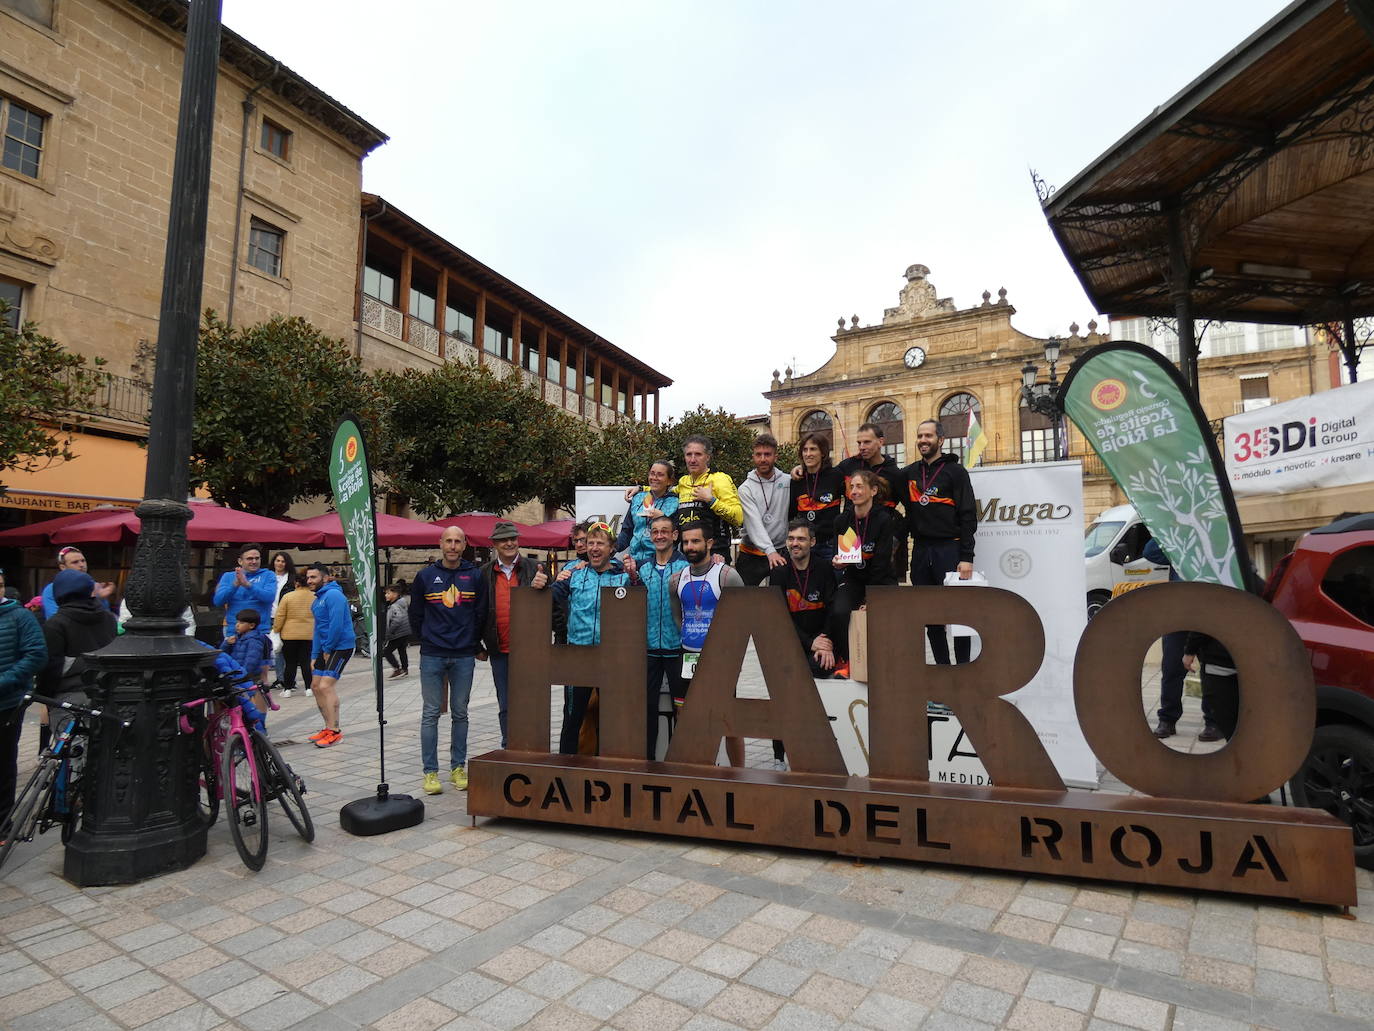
{"type": "Point", "coordinates": [52, 796]}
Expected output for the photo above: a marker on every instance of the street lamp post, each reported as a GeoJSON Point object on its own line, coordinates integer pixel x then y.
{"type": "Point", "coordinates": [1044, 402]}
{"type": "Point", "coordinates": [141, 789]}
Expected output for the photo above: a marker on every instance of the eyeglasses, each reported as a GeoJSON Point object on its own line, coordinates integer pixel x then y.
{"type": "Point", "coordinates": [603, 527]}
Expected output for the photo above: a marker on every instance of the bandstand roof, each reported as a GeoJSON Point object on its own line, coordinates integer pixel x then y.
{"type": "Point", "coordinates": [1262, 173]}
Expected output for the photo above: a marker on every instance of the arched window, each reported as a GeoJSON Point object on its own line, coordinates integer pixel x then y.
{"type": "Point", "coordinates": [887, 416]}
{"type": "Point", "coordinates": [815, 421]}
{"type": "Point", "coordinates": [954, 415]}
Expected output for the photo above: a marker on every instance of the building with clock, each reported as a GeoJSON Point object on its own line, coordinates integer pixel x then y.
{"type": "Point", "coordinates": [929, 359]}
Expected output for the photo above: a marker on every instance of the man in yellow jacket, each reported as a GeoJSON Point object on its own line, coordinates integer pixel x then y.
{"type": "Point", "coordinates": [707, 499]}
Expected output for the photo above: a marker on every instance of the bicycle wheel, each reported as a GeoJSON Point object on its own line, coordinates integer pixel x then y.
{"type": "Point", "coordinates": [282, 784]}
{"type": "Point", "coordinates": [29, 806]}
{"type": "Point", "coordinates": [245, 805]}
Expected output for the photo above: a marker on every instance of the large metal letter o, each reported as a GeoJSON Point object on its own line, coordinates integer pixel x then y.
{"type": "Point", "coordinates": [1277, 699]}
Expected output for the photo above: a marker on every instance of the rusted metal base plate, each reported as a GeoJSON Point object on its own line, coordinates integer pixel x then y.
{"type": "Point", "coordinates": [1274, 852]}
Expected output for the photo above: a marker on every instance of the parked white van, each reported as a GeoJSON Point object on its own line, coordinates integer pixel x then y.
{"type": "Point", "coordinates": [1112, 549]}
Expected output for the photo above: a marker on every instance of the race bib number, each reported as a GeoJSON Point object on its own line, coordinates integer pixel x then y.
{"type": "Point", "coordinates": [689, 664]}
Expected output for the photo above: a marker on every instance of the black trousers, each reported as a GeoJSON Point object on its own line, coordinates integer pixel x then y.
{"type": "Point", "coordinates": [1221, 694]}
{"type": "Point", "coordinates": [575, 701]}
{"type": "Point", "coordinates": [11, 727]}
{"type": "Point", "coordinates": [295, 656]}
{"type": "Point", "coordinates": [752, 569]}
{"type": "Point", "coordinates": [930, 561]}
{"type": "Point", "coordinates": [397, 646]}
{"type": "Point", "coordinates": [661, 665]}
{"type": "Point", "coordinates": [1171, 674]}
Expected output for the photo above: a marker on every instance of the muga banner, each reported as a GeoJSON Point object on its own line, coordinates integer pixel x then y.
{"type": "Point", "coordinates": [352, 482]}
{"type": "Point", "coordinates": [1326, 440]}
{"type": "Point", "coordinates": [1143, 421]}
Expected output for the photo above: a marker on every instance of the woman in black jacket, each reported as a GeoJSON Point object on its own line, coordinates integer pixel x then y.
{"type": "Point", "coordinates": [870, 525]}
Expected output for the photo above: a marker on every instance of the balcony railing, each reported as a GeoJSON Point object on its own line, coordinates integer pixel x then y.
{"type": "Point", "coordinates": [423, 336]}
{"type": "Point", "coordinates": [382, 317]}
{"type": "Point", "coordinates": [117, 397]}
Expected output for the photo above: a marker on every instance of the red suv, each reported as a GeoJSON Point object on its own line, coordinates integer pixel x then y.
{"type": "Point", "coordinates": [1326, 589]}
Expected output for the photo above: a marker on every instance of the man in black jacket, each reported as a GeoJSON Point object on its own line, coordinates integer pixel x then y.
{"type": "Point", "coordinates": [508, 569]}
{"type": "Point", "coordinates": [81, 624]}
{"type": "Point", "coordinates": [942, 518]}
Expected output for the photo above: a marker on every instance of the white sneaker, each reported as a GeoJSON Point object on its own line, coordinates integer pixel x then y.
{"type": "Point", "coordinates": [286, 692]}
{"type": "Point", "coordinates": [309, 693]}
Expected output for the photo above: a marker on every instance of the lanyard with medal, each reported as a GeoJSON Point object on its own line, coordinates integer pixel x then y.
{"type": "Point", "coordinates": [927, 484]}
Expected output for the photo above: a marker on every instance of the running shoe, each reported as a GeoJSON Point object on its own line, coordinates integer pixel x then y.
{"type": "Point", "coordinates": [459, 776]}
{"type": "Point", "coordinates": [318, 734]}
{"type": "Point", "coordinates": [331, 737]}
{"type": "Point", "coordinates": [432, 785]}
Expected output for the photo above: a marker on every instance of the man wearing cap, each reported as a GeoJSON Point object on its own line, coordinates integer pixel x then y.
{"type": "Point", "coordinates": [508, 569]}
{"type": "Point", "coordinates": [72, 558]}
{"type": "Point", "coordinates": [247, 587]}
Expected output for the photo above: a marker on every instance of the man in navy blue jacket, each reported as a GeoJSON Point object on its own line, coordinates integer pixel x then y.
{"type": "Point", "coordinates": [448, 612]}
{"type": "Point", "coordinates": [331, 648]}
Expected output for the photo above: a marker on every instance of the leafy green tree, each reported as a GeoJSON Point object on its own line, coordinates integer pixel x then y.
{"type": "Point", "coordinates": [267, 400]}
{"type": "Point", "coordinates": [42, 388]}
{"type": "Point", "coordinates": [465, 440]}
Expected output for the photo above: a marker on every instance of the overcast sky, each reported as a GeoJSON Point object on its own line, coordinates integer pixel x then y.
{"type": "Point", "coordinates": [710, 185]}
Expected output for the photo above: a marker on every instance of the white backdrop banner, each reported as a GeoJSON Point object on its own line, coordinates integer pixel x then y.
{"type": "Point", "coordinates": [1325, 440]}
{"type": "Point", "coordinates": [606, 504]}
{"type": "Point", "coordinates": [1030, 542]}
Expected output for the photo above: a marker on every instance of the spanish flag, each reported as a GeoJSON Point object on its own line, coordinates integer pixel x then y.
{"type": "Point", "coordinates": [977, 441]}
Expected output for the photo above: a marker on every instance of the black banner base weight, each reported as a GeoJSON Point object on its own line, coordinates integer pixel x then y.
{"type": "Point", "coordinates": [381, 814]}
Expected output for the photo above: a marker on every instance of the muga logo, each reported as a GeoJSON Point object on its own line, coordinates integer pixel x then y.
{"type": "Point", "coordinates": [351, 449]}
{"type": "Point", "coordinates": [1108, 394]}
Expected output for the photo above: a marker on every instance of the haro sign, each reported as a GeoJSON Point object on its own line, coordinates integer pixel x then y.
{"type": "Point", "coordinates": [1195, 832]}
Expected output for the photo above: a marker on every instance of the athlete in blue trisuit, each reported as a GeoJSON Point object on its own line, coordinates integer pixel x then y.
{"type": "Point", "coordinates": [696, 592]}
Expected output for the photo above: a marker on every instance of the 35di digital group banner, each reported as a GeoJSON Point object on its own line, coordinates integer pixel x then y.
{"type": "Point", "coordinates": [1141, 418]}
{"type": "Point", "coordinates": [1325, 440]}
{"type": "Point", "coordinates": [352, 483]}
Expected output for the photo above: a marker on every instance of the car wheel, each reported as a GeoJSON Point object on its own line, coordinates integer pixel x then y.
{"type": "Point", "coordinates": [1338, 776]}
{"type": "Point", "coordinates": [1096, 599]}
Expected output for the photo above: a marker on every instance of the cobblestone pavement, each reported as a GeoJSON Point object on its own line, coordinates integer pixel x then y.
{"type": "Point", "coordinates": [513, 925]}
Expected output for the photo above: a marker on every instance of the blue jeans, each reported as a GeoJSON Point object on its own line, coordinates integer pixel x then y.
{"type": "Point", "coordinates": [434, 670]}
{"type": "Point", "coordinates": [500, 672]}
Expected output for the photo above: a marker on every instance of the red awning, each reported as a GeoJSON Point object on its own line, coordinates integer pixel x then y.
{"type": "Point", "coordinates": [555, 535]}
{"type": "Point", "coordinates": [392, 531]}
{"type": "Point", "coordinates": [210, 524]}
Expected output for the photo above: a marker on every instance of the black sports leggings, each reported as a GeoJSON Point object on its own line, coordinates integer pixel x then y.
{"type": "Point", "coordinates": [295, 656]}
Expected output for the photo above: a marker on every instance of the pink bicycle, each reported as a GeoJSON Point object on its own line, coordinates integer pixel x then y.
{"type": "Point", "coordinates": [242, 768]}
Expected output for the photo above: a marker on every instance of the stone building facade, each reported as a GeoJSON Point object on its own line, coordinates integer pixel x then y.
{"type": "Point", "coordinates": [928, 358]}
{"type": "Point", "coordinates": [83, 227]}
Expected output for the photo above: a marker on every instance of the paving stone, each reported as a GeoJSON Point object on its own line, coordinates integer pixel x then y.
{"type": "Point", "coordinates": [467, 991]}
{"type": "Point", "coordinates": [1186, 1019]}
{"type": "Point", "coordinates": [553, 980]}
{"type": "Point", "coordinates": [642, 970]}
{"type": "Point", "coordinates": [1270, 984]}
{"type": "Point", "coordinates": [509, 1009]}
{"type": "Point", "coordinates": [971, 1000]}
{"type": "Point", "coordinates": [1033, 1015]}
{"type": "Point", "coordinates": [417, 1015]}
{"type": "Point", "coordinates": [1131, 1010]}
{"type": "Point", "coordinates": [796, 1018]}
{"type": "Point", "coordinates": [602, 997]}
{"type": "Point", "coordinates": [287, 1011]}
{"type": "Point", "coordinates": [725, 960]}
{"type": "Point", "coordinates": [652, 1013]}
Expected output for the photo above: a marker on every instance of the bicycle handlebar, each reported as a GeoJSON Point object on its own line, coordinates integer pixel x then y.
{"type": "Point", "coordinates": [80, 710]}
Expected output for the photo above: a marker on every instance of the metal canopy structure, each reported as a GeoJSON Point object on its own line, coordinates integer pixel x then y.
{"type": "Point", "coordinates": [1248, 197]}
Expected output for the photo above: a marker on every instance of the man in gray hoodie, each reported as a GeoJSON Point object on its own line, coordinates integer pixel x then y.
{"type": "Point", "coordinates": [764, 496]}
